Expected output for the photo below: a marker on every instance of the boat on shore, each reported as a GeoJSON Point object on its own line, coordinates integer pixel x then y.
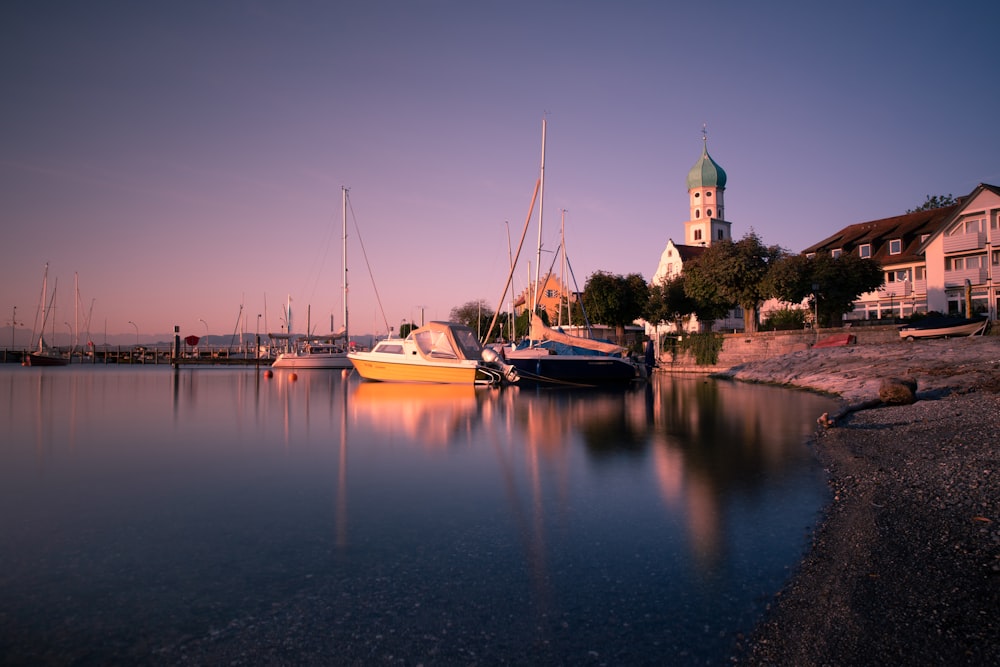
{"type": "Point", "coordinates": [944, 327]}
{"type": "Point", "coordinates": [438, 352]}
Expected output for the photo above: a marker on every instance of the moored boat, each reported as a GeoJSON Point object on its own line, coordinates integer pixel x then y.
{"type": "Point", "coordinates": [439, 352]}
{"type": "Point", "coordinates": [944, 327]}
{"type": "Point", "coordinates": [555, 358]}
{"type": "Point", "coordinates": [316, 352]}
{"type": "Point", "coordinates": [44, 355]}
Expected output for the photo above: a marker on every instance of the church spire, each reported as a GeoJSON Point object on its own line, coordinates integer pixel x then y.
{"type": "Point", "coordinates": [706, 185]}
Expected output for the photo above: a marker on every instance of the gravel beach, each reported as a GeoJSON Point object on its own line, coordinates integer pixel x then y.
{"type": "Point", "coordinates": [905, 567]}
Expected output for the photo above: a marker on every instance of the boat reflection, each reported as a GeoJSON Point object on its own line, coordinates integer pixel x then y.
{"type": "Point", "coordinates": [431, 414]}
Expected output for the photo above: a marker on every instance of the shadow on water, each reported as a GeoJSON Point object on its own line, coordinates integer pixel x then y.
{"type": "Point", "coordinates": [211, 515]}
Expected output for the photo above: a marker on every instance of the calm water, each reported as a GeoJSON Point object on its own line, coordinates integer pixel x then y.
{"type": "Point", "coordinates": [218, 516]}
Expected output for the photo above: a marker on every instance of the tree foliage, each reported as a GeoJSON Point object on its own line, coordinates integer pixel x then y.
{"type": "Point", "coordinates": [474, 314]}
{"type": "Point", "coordinates": [615, 300]}
{"type": "Point", "coordinates": [733, 274]}
{"type": "Point", "coordinates": [932, 202]}
{"type": "Point", "coordinates": [836, 282]}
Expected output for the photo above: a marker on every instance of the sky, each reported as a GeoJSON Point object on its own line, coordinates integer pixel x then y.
{"type": "Point", "coordinates": [181, 163]}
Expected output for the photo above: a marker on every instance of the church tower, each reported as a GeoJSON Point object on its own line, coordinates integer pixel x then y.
{"type": "Point", "coordinates": [706, 184]}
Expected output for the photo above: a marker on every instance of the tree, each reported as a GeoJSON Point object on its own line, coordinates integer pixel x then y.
{"type": "Point", "coordinates": [937, 201]}
{"type": "Point", "coordinates": [668, 302]}
{"type": "Point", "coordinates": [476, 315]}
{"type": "Point", "coordinates": [615, 300]}
{"type": "Point", "coordinates": [734, 274]}
{"type": "Point", "coordinates": [835, 282]}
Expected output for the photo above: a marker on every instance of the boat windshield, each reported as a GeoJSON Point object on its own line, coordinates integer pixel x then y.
{"type": "Point", "coordinates": [468, 343]}
{"type": "Point", "coordinates": [435, 343]}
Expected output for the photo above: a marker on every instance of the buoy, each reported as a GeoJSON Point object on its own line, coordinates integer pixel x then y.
{"type": "Point", "coordinates": [293, 377]}
{"type": "Point", "coordinates": [268, 373]}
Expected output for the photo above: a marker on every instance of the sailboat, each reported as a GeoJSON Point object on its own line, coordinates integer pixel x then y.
{"type": "Point", "coordinates": [44, 355]}
{"type": "Point", "coordinates": [322, 351]}
{"type": "Point", "coordinates": [552, 358]}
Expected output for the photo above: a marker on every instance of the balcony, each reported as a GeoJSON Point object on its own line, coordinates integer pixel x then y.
{"type": "Point", "coordinates": [895, 289]}
{"type": "Point", "coordinates": [976, 276]}
{"type": "Point", "coordinates": [963, 242]}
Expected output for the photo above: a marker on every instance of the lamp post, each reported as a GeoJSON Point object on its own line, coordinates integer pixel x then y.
{"type": "Point", "coordinates": [13, 325]}
{"type": "Point", "coordinates": [816, 306]}
{"type": "Point", "coordinates": [136, 332]}
{"type": "Point", "coordinates": [206, 326]}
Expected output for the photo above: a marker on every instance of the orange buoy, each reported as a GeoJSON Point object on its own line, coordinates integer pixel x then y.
{"type": "Point", "coordinates": [293, 377]}
{"type": "Point", "coordinates": [268, 373]}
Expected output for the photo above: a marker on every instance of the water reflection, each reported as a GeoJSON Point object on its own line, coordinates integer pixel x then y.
{"type": "Point", "coordinates": [560, 520]}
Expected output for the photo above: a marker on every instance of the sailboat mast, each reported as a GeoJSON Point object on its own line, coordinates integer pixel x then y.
{"type": "Point", "coordinates": [541, 205]}
{"type": "Point", "coordinates": [562, 268]}
{"type": "Point", "coordinates": [347, 336]}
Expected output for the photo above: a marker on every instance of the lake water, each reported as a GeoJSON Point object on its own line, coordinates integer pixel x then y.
{"type": "Point", "coordinates": [216, 516]}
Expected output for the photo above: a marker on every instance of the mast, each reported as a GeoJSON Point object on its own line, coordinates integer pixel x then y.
{"type": "Point", "coordinates": [541, 205]}
{"type": "Point", "coordinates": [562, 269]}
{"type": "Point", "coordinates": [347, 335]}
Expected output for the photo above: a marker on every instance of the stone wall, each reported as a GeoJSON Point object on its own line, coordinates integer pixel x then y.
{"type": "Point", "coordinates": [742, 348]}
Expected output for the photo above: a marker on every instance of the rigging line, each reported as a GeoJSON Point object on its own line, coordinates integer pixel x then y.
{"type": "Point", "coordinates": [583, 309]}
{"type": "Point", "coordinates": [513, 264]}
{"type": "Point", "coordinates": [364, 253]}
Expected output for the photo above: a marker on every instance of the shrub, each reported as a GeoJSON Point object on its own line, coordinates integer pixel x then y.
{"type": "Point", "coordinates": [705, 347]}
{"type": "Point", "coordinates": [786, 319]}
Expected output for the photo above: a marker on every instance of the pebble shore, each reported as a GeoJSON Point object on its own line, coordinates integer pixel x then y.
{"type": "Point", "coordinates": [905, 567]}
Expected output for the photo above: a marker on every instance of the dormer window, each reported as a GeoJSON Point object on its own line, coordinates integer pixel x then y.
{"type": "Point", "coordinates": [865, 250]}
{"type": "Point", "coordinates": [895, 246]}
{"type": "Point", "coordinates": [836, 252]}
{"type": "Point", "coordinates": [924, 237]}
{"type": "Point", "coordinates": [810, 255]}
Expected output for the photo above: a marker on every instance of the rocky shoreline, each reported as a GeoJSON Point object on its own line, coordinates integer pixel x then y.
{"type": "Point", "coordinates": [905, 567]}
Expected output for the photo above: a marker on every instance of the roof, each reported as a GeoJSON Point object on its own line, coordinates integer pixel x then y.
{"type": "Point", "coordinates": [706, 173]}
{"type": "Point", "coordinates": [689, 252]}
{"type": "Point", "coordinates": [908, 228]}
{"type": "Point", "coordinates": [959, 209]}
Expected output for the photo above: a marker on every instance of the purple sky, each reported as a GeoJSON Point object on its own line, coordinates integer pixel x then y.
{"type": "Point", "coordinates": [186, 158]}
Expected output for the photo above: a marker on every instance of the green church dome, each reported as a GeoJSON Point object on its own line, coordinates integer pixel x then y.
{"type": "Point", "coordinates": [706, 173]}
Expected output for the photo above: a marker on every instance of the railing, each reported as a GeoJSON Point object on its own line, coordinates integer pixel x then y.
{"type": "Point", "coordinates": [962, 242]}
{"type": "Point", "coordinates": [976, 276]}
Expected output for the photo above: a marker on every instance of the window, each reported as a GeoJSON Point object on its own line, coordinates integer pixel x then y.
{"type": "Point", "coordinates": [836, 252]}
{"type": "Point", "coordinates": [697, 235]}
{"type": "Point", "coordinates": [865, 250]}
{"type": "Point", "coordinates": [902, 275]}
{"type": "Point", "coordinates": [708, 213]}
{"type": "Point", "coordinates": [720, 235]}
{"type": "Point", "coordinates": [918, 273]}
{"type": "Point", "coordinates": [895, 246]}
{"type": "Point", "coordinates": [697, 194]}
{"type": "Point", "coordinates": [924, 237]}
{"type": "Point", "coordinates": [551, 293]}
{"type": "Point", "coordinates": [708, 194]}
{"type": "Point", "coordinates": [995, 259]}
{"type": "Point", "coordinates": [697, 214]}
{"type": "Point", "coordinates": [811, 255]}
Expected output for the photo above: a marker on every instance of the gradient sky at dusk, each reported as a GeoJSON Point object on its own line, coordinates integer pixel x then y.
{"type": "Point", "coordinates": [184, 158]}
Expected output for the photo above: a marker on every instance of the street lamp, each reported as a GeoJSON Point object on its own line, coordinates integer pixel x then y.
{"type": "Point", "coordinates": [816, 305]}
{"type": "Point", "coordinates": [206, 326]}
{"type": "Point", "coordinates": [136, 332]}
